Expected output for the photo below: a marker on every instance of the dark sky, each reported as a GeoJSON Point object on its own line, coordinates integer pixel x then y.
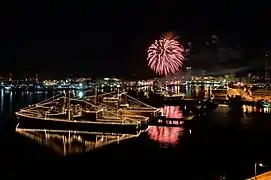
{"type": "Point", "coordinates": [103, 38]}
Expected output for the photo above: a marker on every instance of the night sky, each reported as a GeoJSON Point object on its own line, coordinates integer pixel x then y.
{"type": "Point", "coordinates": [106, 38]}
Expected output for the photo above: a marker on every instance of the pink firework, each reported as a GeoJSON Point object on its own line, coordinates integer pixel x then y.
{"type": "Point", "coordinates": [165, 56]}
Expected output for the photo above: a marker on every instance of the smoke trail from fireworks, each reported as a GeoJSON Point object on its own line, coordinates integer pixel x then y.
{"type": "Point", "coordinates": [165, 56]}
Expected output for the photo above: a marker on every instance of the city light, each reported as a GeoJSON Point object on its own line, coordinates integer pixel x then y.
{"type": "Point", "coordinates": [80, 94]}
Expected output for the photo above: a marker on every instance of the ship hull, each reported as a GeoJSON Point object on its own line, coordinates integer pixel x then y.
{"type": "Point", "coordinates": [92, 126]}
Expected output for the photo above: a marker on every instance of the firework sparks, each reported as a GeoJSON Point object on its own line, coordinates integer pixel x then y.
{"type": "Point", "coordinates": [165, 56]}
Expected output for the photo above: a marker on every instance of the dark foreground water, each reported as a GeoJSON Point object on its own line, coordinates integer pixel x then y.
{"type": "Point", "coordinates": [221, 143]}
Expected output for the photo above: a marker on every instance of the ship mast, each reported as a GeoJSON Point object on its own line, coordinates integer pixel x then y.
{"type": "Point", "coordinates": [96, 95]}
{"type": "Point", "coordinates": [69, 105]}
{"type": "Point", "coordinates": [64, 106]}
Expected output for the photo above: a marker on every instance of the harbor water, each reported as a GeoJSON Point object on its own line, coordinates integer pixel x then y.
{"type": "Point", "coordinates": [223, 142]}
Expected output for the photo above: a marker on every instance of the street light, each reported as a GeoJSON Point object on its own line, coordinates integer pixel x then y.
{"type": "Point", "coordinates": [255, 168]}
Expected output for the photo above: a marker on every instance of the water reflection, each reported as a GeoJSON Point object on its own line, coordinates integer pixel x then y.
{"type": "Point", "coordinates": [2, 101]}
{"type": "Point", "coordinates": [252, 109]}
{"type": "Point", "coordinates": [67, 142]}
{"type": "Point", "coordinates": [173, 112]}
{"type": "Point", "coordinates": [10, 102]}
{"type": "Point", "coordinates": [222, 108]}
{"type": "Point", "coordinates": [266, 110]}
{"type": "Point", "coordinates": [166, 136]}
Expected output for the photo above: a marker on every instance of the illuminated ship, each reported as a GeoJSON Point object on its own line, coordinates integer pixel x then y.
{"type": "Point", "coordinates": [220, 94]}
{"type": "Point", "coordinates": [101, 112]}
{"type": "Point", "coordinates": [179, 96]}
{"type": "Point", "coordinates": [168, 94]}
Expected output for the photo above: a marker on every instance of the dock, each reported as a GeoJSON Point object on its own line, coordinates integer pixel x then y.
{"type": "Point", "coordinates": [249, 96]}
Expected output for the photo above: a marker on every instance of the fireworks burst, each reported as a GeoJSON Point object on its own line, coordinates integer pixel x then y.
{"type": "Point", "coordinates": [165, 56]}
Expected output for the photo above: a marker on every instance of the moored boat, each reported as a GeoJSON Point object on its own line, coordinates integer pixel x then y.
{"type": "Point", "coordinates": [67, 113]}
{"type": "Point", "coordinates": [88, 114]}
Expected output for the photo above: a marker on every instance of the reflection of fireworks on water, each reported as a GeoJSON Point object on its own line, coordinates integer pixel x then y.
{"type": "Point", "coordinates": [165, 56]}
{"type": "Point", "coordinates": [172, 112]}
{"type": "Point", "coordinates": [165, 135]}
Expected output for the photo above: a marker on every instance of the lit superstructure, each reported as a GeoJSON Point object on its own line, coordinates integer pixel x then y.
{"type": "Point", "coordinates": [98, 111]}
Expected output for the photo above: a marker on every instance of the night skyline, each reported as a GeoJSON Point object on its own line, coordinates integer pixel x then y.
{"type": "Point", "coordinates": [77, 39]}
